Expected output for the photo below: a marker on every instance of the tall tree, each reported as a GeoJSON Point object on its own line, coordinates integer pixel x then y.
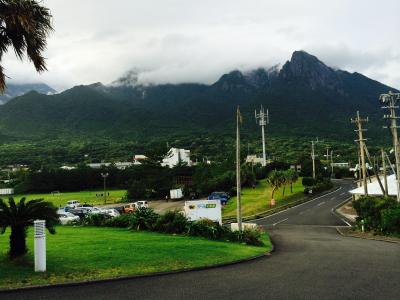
{"type": "Point", "coordinates": [18, 216]}
{"type": "Point", "coordinates": [24, 26]}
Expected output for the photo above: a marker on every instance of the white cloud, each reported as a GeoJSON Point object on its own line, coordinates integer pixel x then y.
{"type": "Point", "coordinates": [196, 41]}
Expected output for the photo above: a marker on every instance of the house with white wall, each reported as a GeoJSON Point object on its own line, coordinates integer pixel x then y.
{"type": "Point", "coordinates": [174, 156]}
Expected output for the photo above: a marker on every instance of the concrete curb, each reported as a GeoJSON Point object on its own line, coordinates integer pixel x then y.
{"type": "Point", "coordinates": [338, 214]}
{"type": "Point", "coordinates": [155, 274]}
{"type": "Point", "coordinates": [378, 238]}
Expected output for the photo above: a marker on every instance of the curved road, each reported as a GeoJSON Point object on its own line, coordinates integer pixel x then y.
{"type": "Point", "coordinates": [311, 261]}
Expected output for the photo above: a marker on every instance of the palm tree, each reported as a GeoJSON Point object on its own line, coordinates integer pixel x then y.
{"type": "Point", "coordinates": [18, 216]}
{"type": "Point", "coordinates": [24, 25]}
{"type": "Point", "coordinates": [293, 176]}
{"type": "Point", "coordinates": [275, 179]}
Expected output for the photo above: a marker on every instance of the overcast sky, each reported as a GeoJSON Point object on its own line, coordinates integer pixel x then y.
{"type": "Point", "coordinates": [197, 41]}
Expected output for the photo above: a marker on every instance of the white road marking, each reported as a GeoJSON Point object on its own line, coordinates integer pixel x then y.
{"type": "Point", "coordinates": [346, 222]}
{"type": "Point", "coordinates": [320, 204]}
{"type": "Point", "coordinates": [307, 202]}
{"type": "Point", "coordinates": [333, 198]}
{"type": "Point", "coordinates": [280, 222]}
{"type": "Point", "coordinates": [342, 193]}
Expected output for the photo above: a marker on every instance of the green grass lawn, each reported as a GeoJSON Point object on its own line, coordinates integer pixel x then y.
{"type": "Point", "coordinates": [258, 199]}
{"type": "Point", "coordinates": [83, 197]}
{"type": "Point", "coordinates": [88, 253]}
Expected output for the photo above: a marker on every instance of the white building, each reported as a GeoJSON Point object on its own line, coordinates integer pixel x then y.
{"type": "Point", "coordinates": [374, 189]}
{"type": "Point", "coordinates": [138, 159]}
{"type": "Point", "coordinates": [118, 165]}
{"type": "Point", "coordinates": [175, 156]}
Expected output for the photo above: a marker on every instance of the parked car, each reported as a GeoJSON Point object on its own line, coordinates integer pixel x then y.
{"type": "Point", "coordinates": [222, 196]}
{"type": "Point", "coordinates": [111, 212]}
{"type": "Point", "coordinates": [67, 218]}
{"type": "Point", "coordinates": [90, 209]}
{"type": "Point", "coordinates": [129, 208]}
{"type": "Point", "coordinates": [73, 203]}
{"type": "Point", "coordinates": [140, 204]}
{"type": "Point", "coordinates": [81, 212]}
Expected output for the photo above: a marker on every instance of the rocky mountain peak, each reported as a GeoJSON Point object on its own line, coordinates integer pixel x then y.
{"type": "Point", "coordinates": [308, 69]}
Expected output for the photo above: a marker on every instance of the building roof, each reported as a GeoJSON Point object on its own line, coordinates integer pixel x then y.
{"type": "Point", "coordinates": [374, 188]}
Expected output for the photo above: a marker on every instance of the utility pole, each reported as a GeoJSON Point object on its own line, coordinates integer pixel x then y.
{"type": "Point", "coordinates": [104, 175]}
{"type": "Point", "coordinates": [331, 163]}
{"type": "Point", "coordinates": [361, 141]}
{"type": "Point", "coordinates": [313, 156]}
{"type": "Point", "coordinates": [262, 119]}
{"type": "Point", "coordinates": [384, 173]}
{"type": "Point", "coordinates": [238, 183]}
{"type": "Point", "coordinates": [390, 100]}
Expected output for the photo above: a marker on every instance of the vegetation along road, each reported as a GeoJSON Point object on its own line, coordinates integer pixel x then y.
{"type": "Point", "coordinates": [311, 261]}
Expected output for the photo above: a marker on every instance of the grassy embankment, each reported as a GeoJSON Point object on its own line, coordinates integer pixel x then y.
{"type": "Point", "coordinates": [89, 253]}
{"type": "Point", "coordinates": [257, 200]}
{"type": "Point", "coordinates": [83, 197]}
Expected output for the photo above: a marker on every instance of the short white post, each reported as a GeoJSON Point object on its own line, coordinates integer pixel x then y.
{"type": "Point", "coordinates": [40, 245]}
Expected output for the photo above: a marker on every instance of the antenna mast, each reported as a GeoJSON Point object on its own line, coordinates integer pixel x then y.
{"type": "Point", "coordinates": [262, 119]}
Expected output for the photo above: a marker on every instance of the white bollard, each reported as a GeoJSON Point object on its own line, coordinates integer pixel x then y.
{"type": "Point", "coordinates": [40, 245]}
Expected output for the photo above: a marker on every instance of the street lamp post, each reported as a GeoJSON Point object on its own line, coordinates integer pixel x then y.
{"type": "Point", "coordinates": [104, 175]}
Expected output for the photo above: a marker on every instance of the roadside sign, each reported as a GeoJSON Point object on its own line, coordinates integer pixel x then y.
{"type": "Point", "coordinates": [203, 209]}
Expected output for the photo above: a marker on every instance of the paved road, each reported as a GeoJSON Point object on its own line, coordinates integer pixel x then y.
{"type": "Point", "coordinates": [310, 262]}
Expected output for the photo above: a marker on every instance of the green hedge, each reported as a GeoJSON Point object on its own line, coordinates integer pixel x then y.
{"type": "Point", "coordinates": [378, 214]}
{"type": "Point", "coordinates": [176, 223]}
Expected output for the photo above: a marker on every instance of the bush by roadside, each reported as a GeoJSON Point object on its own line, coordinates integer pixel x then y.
{"type": "Point", "coordinates": [176, 223]}
{"type": "Point", "coordinates": [378, 214]}
{"type": "Point", "coordinates": [316, 185]}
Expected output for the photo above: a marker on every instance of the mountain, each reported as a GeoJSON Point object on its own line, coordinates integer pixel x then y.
{"type": "Point", "coordinates": [305, 98]}
{"type": "Point", "coordinates": [15, 90]}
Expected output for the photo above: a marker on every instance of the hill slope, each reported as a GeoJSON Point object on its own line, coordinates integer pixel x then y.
{"type": "Point", "coordinates": [305, 98]}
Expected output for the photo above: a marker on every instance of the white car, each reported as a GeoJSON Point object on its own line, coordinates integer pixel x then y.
{"type": "Point", "coordinates": [73, 203]}
{"type": "Point", "coordinates": [111, 212]}
{"type": "Point", "coordinates": [67, 218]}
{"type": "Point", "coordinates": [140, 204]}
{"type": "Point", "coordinates": [95, 210]}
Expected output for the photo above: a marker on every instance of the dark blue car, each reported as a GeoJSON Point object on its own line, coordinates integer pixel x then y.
{"type": "Point", "coordinates": [222, 196]}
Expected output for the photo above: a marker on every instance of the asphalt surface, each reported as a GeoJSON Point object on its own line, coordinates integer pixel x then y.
{"type": "Point", "coordinates": [311, 261]}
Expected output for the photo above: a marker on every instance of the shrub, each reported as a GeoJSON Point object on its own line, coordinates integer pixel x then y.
{"type": "Point", "coordinates": [308, 181]}
{"type": "Point", "coordinates": [369, 211]}
{"type": "Point", "coordinates": [143, 219]}
{"type": "Point", "coordinates": [122, 221]}
{"type": "Point", "coordinates": [172, 222]}
{"type": "Point", "coordinates": [390, 220]}
{"type": "Point", "coordinates": [208, 229]}
{"type": "Point", "coordinates": [252, 236]}
{"type": "Point", "coordinates": [95, 220]}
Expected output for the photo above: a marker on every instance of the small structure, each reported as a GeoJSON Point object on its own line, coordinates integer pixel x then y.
{"type": "Point", "coordinates": [341, 165]}
{"type": "Point", "coordinates": [254, 159]}
{"type": "Point", "coordinates": [203, 209]}
{"type": "Point", "coordinates": [176, 156]}
{"type": "Point", "coordinates": [118, 165]}
{"type": "Point", "coordinates": [6, 192]}
{"type": "Point", "coordinates": [40, 245]}
{"type": "Point", "coordinates": [138, 159]}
